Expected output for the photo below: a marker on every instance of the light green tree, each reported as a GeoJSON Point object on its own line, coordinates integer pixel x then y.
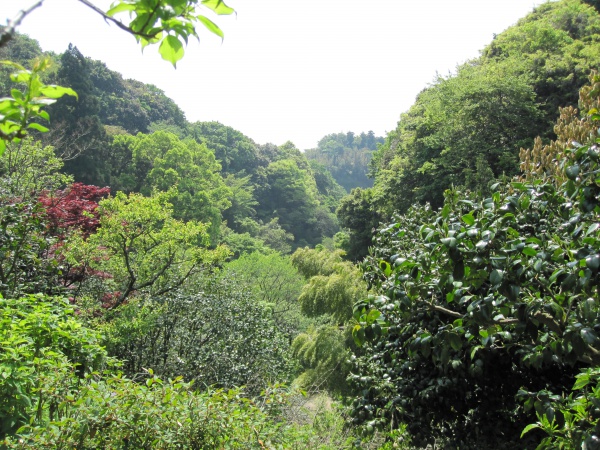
{"type": "Point", "coordinates": [141, 248]}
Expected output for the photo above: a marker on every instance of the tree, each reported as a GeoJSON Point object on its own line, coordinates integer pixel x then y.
{"type": "Point", "coordinates": [276, 283]}
{"type": "Point", "coordinates": [141, 248]}
{"type": "Point", "coordinates": [489, 302]}
{"type": "Point", "coordinates": [356, 214]}
{"type": "Point", "coordinates": [28, 265]}
{"type": "Point", "coordinates": [291, 196]}
{"type": "Point", "coordinates": [73, 208]}
{"type": "Point", "coordinates": [332, 287]}
{"type": "Point", "coordinates": [242, 200]}
{"type": "Point", "coordinates": [162, 161]}
{"type": "Point", "coordinates": [235, 152]}
{"type": "Point", "coordinates": [77, 132]}
{"type": "Point", "coordinates": [466, 129]}
{"type": "Point", "coordinates": [347, 157]}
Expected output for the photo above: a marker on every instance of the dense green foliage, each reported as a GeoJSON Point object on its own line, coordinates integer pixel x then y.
{"type": "Point", "coordinates": [488, 308]}
{"type": "Point", "coordinates": [481, 329]}
{"type": "Point", "coordinates": [55, 396]}
{"type": "Point", "coordinates": [347, 157]}
{"type": "Point", "coordinates": [212, 333]}
{"type": "Point", "coordinates": [276, 283]}
{"type": "Point", "coordinates": [465, 130]}
{"type": "Point", "coordinates": [44, 351]}
{"type": "Point", "coordinates": [332, 287]}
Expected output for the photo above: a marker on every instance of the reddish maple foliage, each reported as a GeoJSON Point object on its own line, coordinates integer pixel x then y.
{"type": "Point", "coordinates": [74, 208]}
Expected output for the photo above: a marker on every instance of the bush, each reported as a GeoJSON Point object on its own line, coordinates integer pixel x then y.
{"type": "Point", "coordinates": [218, 336]}
{"type": "Point", "coordinates": [481, 300]}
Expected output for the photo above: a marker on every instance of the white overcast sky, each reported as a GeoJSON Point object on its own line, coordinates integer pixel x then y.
{"type": "Point", "coordinates": [292, 69]}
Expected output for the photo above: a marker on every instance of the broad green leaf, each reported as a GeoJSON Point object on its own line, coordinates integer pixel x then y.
{"type": "Point", "coordinates": [37, 126]}
{"type": "Point", "coordinates": [468, 219]}
{"type": "Point", "coordinates": [386, 268]}
{"type": "Point", "coordinates": [373, 315]}
{"type": "Point", "coordinates": [593, 227]}
{"type": "Point", "coordinates": [121, 7]}
{"type": "Point", "coordinates": [449, 242]}
{"type": "Point", "coordinates": [218, 6]}
{"type": "Point", "coordinates": [582, 381]}
{"type": "Point", "coordinates": [529, 427]}
{"type": "Point", "coordinates": [17, 94]}
{"type": "Point", "coordinates": [572, 172]}
{"type": "Point", "coordinates": [529, 251]}
{"type": "Point", "coordinates": [358, 334]}
{"type": "Point", "coordinates": [211, 26]}
{"type": "Point", "coordinates": [455, 341]}
{"type": "Point", "coordinates": [496, 276]}
{"type": "Point", "coordinates": [171, 49]}
{"type": "Point", "coordinates": [54, 91]}
{"type": "Point", "coordinates": [588, 336]}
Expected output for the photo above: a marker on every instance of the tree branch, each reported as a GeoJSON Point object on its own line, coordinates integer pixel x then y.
{"type": "Point", "coordinates": [9, 31]}
{"type": "Point", "coordinates": [118, 23]}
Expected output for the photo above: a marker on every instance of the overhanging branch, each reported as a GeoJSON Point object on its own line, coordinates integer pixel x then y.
{"type": "Point", "coordinates": [118, 23]}
{"type": "Point", "coordinates": [9, 31]}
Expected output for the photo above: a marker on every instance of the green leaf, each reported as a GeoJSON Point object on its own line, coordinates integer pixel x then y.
{"type": "Point", "coordinates": [592, 228]}
{"type": "Point", "coordinates": [121, 7]}
{"type": "Point", "coordinates": [572, 171]}
{"type": "Point", "coordinates": [449, 242]}
{"type": "Point", "coordinates": [593, 262]}
{"type": "Point", "coordinates": [455, 341]}
{"type": "Point", "coordinates": [54, 91]}
{"type": "Point", "coordinates": [468, 219]}
{"type": "Point", "coordinates": [529, 427]}
{"type": "Point", "coordinates": [17, 94]}
{"type": "Point", "coordinates": [37, 126]}
{"type": "Point", "coordinates": [588, 336]}
{"type": "Point", "coordinates": [373, 315]}
{"type": "Point", "coordinates": [529, 251]}
{"type": "Point", "coordinates": [358, 334]}
{"type": "Point", "coordinates": [171, 49]}
{"type": "Point", "coordinates": [446, 211]}
{"type": "Point", "coordinates": [496, 276]}
{"type": "Point", "coordinates": [582, 381]}
{"type": "Point", "coordinates": [211, 26]}
{"type": "Point", "coordinates": [218, 6]}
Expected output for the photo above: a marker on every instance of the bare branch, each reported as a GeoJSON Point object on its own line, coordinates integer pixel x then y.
{"type": "Point", "coordinates": [9, 31]}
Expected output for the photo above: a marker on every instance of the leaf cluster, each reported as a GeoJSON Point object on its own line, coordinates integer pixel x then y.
{"type": "Point", "coordinates": [19, 112]}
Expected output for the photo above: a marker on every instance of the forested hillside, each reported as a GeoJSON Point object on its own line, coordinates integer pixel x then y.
{"type": "Point", "coordinates": [347, 157]}
{"type": "Point", "coordinates": [129, 136]}
{"type": "Point", "coordinates": [175, 285]}
{"type": "Point", "coordinates": [465, 130]}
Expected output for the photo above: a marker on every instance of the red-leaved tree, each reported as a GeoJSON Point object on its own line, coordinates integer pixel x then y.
{"type": "Point", "coordinates": [72, 210]}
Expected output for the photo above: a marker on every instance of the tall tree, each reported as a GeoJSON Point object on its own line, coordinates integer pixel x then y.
{"type": "Point", "coordinates": [76, 131]}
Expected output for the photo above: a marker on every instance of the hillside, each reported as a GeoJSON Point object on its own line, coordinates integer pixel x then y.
{"type": "Point", "coordinates": [465, 130]}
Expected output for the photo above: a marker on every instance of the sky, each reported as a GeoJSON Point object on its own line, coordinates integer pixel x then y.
{"type": "Point", "coordinates": [292, 70]}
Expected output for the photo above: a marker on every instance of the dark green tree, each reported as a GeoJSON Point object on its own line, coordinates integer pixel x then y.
{"type": "Point", "coordinates": [356, 214]}
{"type": "Point", "coordinates": [76, 132]}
